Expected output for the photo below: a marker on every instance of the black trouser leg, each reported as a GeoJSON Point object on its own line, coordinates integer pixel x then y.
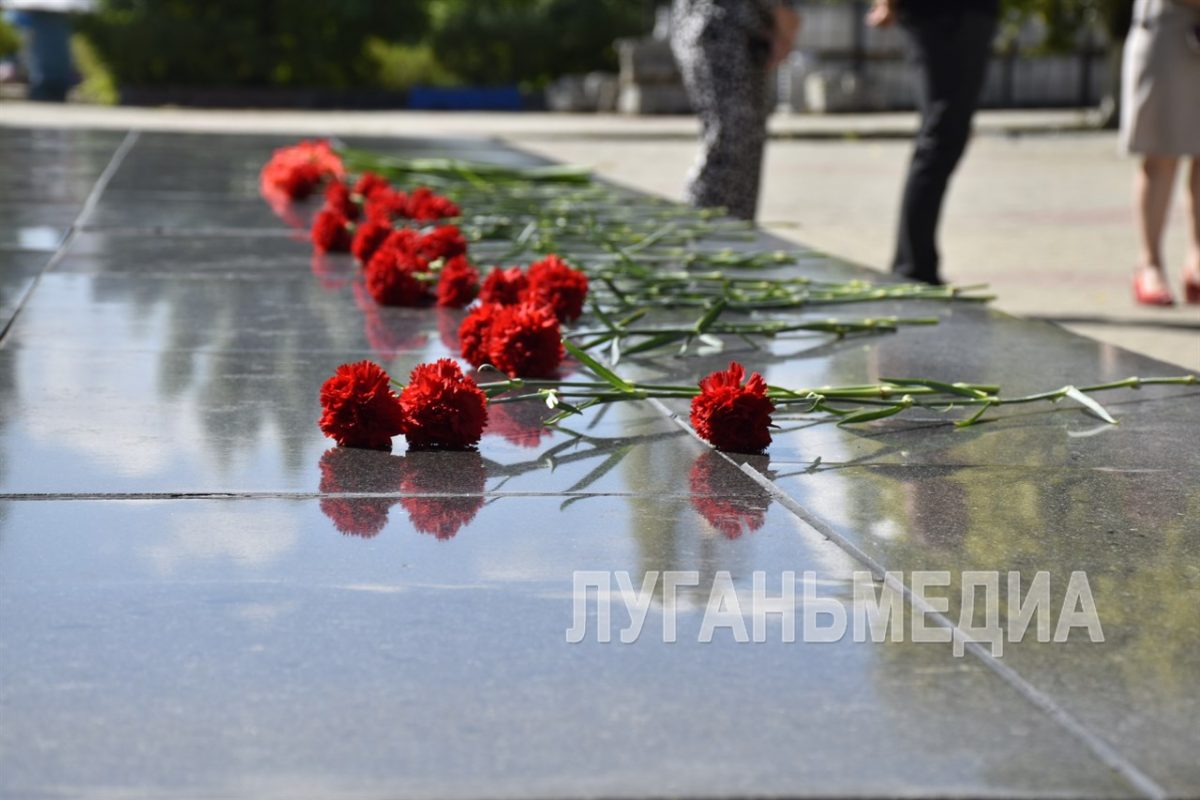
{"type": "Point", "coordinates": [951, 51]}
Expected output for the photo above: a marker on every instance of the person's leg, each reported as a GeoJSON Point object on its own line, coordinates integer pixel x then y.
{"type": "Point", "coordinates": [1191, 269]}
{"type": "Point", "coordinates": [725, 73]}
{"type": "Point", "coordinates": [1152, 186]}
{"type": "Point", "coordinates": [951, 51]}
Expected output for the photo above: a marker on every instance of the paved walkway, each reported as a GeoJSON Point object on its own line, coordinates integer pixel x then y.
{"type": "Point", "coordinates": [1040, 210]}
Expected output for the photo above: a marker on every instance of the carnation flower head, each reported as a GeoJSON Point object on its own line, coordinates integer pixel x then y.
{"type": "Point", "coordinates": [443, 409]}
{"type": "Point", "coordinates": [359, 408]}
{"type": "Point", "coordinates": [368, 183]}
{"type": "Point", "coordinates": [337, 197]}
{"type": "Point", "coordinates": [504, 286]}
{"type": "Point", "coordinates": [330, 233]}
{"type": "Point", "coordinates": [553, 283]}
{"type": "Point", "coordinates": [733, 416]}
{"type": "Point", "coordinates": [458, 283]}
{"type": "Point", "coordinates": [395, 283]}
{"type": "Point", "coordinates": [524, 341]}
{"type": "Point", "coordinates": [426, 206]}
{"type": "Point", "coordinates": [386, 202]}
{"type": "Point", "coordinates": [369, 235]}
{"type": "Point", "coordinates": [474, 334]}
{"type": "Point", "coordinates": [403, 246]}
{"type": "Point", "coordinates": [445, 241]}
{"type": "Point", "coordinates": [296, 171]}
{"type": "Point", "coordinates": [396, 275]}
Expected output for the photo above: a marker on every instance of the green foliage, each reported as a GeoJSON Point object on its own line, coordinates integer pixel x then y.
{"type": "Point", "coordinates": [10, 40]}
{"type": "Point", "coordinates": [531, 42]}
{"type": "Point", "coordinates": [402, 66]}
{"type": "Point", "coordinates": [96, 85]}
{"type": "Point", "coordinates": [305, 43]}
{"type": "Point", "coordinates": [1066, 20]}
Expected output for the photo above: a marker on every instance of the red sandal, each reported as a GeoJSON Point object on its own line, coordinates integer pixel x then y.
{"type": "Point", "coordinates": [1147, 295]}
{"type": "Point", "coordinates": [1191, 291]}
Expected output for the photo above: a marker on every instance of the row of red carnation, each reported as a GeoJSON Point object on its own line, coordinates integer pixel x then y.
{"type": "Point", "coordinates": [516, 327]}
{"type": "Point", "coordinates": [442, 408]}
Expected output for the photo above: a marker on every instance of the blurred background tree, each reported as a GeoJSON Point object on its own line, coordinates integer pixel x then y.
{"type": "Point", "coordinates": [531, 42]}
{"type": "Point", "coordinates": [10, 40]}
{"type": "Point", "coordinates": [358, 43]}
{"type": "Point", "coordinates": [300, 43]}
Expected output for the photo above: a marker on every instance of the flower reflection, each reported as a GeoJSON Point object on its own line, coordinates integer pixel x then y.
{"type": "Point", "coordinates": [356, 471]}
{"type": "Point", "coordinates": [332, 272]}
{"type": "Point", "coordinates": [713, 498]}
{"type": "Point", "coordinates": [448, 322]}
{"type": "Point", "coordinates": [426, 473]}
{"type": "Point", "coordinates": [442, 492]}
{"type": "Point", "coordinates": [387, 332]}
{"type": "Point", "coordinates": [292, 214]}
{"type": "Point", "coordinates": [519, 423]}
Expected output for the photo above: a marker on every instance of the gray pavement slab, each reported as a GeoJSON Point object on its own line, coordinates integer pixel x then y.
{"type": "Point", "coordinates": [1131, 530]}
{"type": "Point", "coordinates": [246, 649]}
{"type": "Point", "coordinates": [200, 596]}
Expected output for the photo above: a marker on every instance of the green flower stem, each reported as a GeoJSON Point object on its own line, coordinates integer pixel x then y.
{"type": "Point", "coordinates": [852, 404]}
{"type": "Point", "coordinates": [765, 328]}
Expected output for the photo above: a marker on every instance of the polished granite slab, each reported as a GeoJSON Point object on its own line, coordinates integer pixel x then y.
{"type": "Point", "coordinates": [199, 596]}
{"type": "Point", "coordinates": [244, 648]}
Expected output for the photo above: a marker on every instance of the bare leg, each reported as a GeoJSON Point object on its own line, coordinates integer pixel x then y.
{"type": "Point", "coordinates": [1152, 187]}
{"type": "Point", "coordinates": [1191, 270]}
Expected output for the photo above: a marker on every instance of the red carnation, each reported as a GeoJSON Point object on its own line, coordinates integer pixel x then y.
{"type": "Point", "coordinates": [504, 286]}
{"type": "Point", "coordinates": [360, 408]}
{"type": "Point", "coordinates": [425, 206]}
{"type": "Point", "coordinates": [555, 284]}
{"type": "Point", "coordinates": [329, 232]}
{"type": "Point", "coordinates": [296, 180]}
{"type": "Point", "coordinates": [524, 341]}
{"type": "Point", "coordinates": [369, 235]}
{"type": "Point", "coordinates": [474, 334]}
{"type": "Point", "coordinates": [297, 170]}
{"type": "Point", "coordinates": [386, 202]}
{"type": "Point", "coordinates": [458, 283]}
{"type": "Point", "coordinates": [443, 408]}
{"type": "Point", "coordinates": [395, 283]}
{"type": "Point", "coordinates": [337, 197]}
{"type": "Point", "coordinates": [443, 242]}
{"type": "Point", "coordinates": [403, 246]}
{"type": "Point", "coordinates": [369, 183]}
{"type": "Point", "coordinates": [732, 515]}
{"type": "Point", "coordinates": [733, 417]}
{"type": "Point", "coordinates": [396, 275]}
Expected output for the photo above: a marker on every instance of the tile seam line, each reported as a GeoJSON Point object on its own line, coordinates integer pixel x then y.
{"type": "Point", "coordinates": [101, 496]}
{"type": "Point", "coordinates": [89, 204]}
{"type": "Point", "coordinates": [1109, 756]}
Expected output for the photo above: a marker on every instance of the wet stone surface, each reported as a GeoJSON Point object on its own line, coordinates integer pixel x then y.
{"type": "Point", "coordinates": [201, 596]}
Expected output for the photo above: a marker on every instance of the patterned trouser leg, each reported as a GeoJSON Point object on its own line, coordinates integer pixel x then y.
{"type": "Point", "coordinates": [724, 66]}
